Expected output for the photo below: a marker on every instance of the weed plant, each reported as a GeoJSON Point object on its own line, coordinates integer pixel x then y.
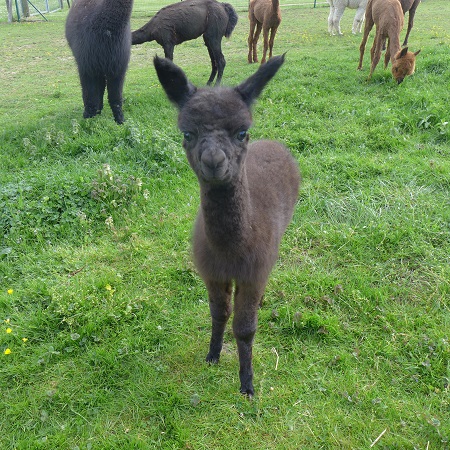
{"type": "Point", "coordinates": [105, 322]}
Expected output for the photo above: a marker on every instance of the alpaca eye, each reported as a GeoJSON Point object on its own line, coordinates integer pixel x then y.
{"type": "Point", "coordinates": [188, 136]}
{"type": "Point", "coordinates": [241, 135]}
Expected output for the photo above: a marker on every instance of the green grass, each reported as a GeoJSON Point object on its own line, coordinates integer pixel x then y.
{"type": "Point", "coordinates": [96, 271]}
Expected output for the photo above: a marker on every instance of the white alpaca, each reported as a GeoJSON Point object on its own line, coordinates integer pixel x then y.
{"type": "Point", "coordinates": [337, 8]}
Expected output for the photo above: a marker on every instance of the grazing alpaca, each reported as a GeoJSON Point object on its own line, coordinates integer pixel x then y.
{"type": "Point", "coordinates": [248, 193]}
{"type": "Point", "coordinates": [387, 15]}
{"type": "Point", "coordinates": [337, 8]}
{"type": "Point", "coordinates": [265, 14]}
{"type": "Point", "coordinates": [188, 20]}
{"type": "Point", "coordinates": [99, 35]}
{"type": "Point", "coordinates": [409, 6]}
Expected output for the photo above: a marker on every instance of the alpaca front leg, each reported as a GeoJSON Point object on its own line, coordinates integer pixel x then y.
{"type": "Point", "coordinates": [246, 303]}
{"type": "Point", "coordinates": [358, 20]}
{"type": "Point", "coordinates": [115, 87]}
{"type": "Point", "coordinates": [387, 55]}
{"type": "Point", "coordinates": [93, 89]}
{"type": "Point", "coordinates": [220, 308]}
{"type": "Point", "coordinates": [367, 28]}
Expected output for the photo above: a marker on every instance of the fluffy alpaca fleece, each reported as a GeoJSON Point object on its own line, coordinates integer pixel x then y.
{"type": "Point", "coordinates": [99, 35]}
{"type": "Point", "coordinates": [265, 15]}
{"type": "Point", "coordinates": [248, 193]}
{"type": "Point", "coordinates": [387, 16]}
{"type": "Point", "coordinates": [337, 8]}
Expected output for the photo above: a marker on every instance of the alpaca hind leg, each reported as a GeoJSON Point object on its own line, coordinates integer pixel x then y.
{"type": "Point", "coordinates": [246, 303]}
{"type": "Point", "coordinates": [255, 41]}
{"type": "Point", "coordinates": [115, 88]}
{"type": "Point", "coordinates": [220, 308]}
{"type": "Point", "coordinates": [265, 43]}
{"type": "Point", "coordinates": [273, 32]}
{"type": "Point", "coordinates": [93, 89]}
{"type": "Point", "coordinates": [251, 37]}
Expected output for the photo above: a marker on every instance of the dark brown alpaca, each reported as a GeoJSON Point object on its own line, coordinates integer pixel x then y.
{"type": "Point", "coordinates": [387, 15]}
{"type": "Point", "coordinates": [248, 194]}
{"type": "Point", "coordinates": [99, 35]}
{"type": "Point", "coordinates": [409, 6]}
{"type": "Point", "coordinates": [188, 20]}
{"type": "Point", "coordinates": [265, 15]}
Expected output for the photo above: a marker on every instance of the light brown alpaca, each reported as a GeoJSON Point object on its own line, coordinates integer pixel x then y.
{"type": "Point", "coordinates": [387, 15]}
{"type": "Point", "coordinates": [265, 14]}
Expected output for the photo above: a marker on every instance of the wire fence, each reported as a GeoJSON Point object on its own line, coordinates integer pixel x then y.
{"type": "Point", "coordinates": [40, 9]}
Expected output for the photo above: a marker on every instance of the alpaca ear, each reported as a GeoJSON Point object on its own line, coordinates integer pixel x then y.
{"type": "Point", "coordinates": [416, 53]}
{"type": "Point", "coordinates": [403, 52]}
{"type": "Point", "coordinates": [174, 81]}
{"type": "Point", "coordinates": [253, 86]}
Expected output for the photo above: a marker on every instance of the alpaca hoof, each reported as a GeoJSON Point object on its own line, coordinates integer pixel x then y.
{"type": "Point", "coordinates": [211, 359]}
{"type": "Point", "coordinates": [248, 392]}
{"type": "Point", "coordinates": [89, 114]}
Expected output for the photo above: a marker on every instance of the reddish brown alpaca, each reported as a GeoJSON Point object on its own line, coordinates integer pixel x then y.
{"type": "Point", "coordinates": [387, 15]}
{"type": "Point", "coordinates": [265, 14]}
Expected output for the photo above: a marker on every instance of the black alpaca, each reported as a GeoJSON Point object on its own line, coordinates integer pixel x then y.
{"type": "Point", "coordinates": [99, 34]}
{"type": "Point", "coordinates": [248, 193]}
{"type": "Point", "coordinates": [188, 20]}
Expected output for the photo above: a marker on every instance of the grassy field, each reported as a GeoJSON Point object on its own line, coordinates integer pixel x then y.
{"type": "Point", "coordinates": [104, 321]}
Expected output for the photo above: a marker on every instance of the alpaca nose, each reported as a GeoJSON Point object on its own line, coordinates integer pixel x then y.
{"type": "Point", "coordinates": [399, 80]}
{"type": "Point", "coordinates": [213, 163]}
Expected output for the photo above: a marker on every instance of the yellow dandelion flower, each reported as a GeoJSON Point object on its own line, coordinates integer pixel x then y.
{"type": "Point", "coordinates": [7, 351]}
{"type": "Point", "coordinates": [24, 339]}
{"type": "Point", "coordinates": [9, 330]}
{"type": "Point", "coordinates": [108, 287]}
{"type": "Point", "coordinates": [10, 291]}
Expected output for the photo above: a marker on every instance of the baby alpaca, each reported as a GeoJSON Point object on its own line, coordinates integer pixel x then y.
{"type": "Point", "coordinates": [265, 14]}
{"type": "Point", "coordinates": [387, 15]}
{"type": "Point", "coordinates": [248, 193]}
{"type": "Point", "coordinates": [99, 35]}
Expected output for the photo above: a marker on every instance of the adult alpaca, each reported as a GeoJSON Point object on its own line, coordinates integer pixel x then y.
{"type": "Point", "coordinates": [248, 194]}
{"type": "Point", "coordinates": [387, 15]}
{"type": "Point", "coordinates": [99, 35]}
{"type": "Point", "coordinates": [188, 20]}
{"type": "Point", "coordinates": [337, 8]}
{"type": "Point", "coordinates": [265, 15]}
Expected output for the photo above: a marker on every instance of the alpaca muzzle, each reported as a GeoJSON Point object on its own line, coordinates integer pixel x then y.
{"type": "Point", "coordinates": [213, 165]}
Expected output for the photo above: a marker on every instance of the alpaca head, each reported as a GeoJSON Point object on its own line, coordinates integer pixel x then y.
{"type": "Point", "coordinates": [214, 121]}
{"type": "Point", "coordinates": [404, 64]}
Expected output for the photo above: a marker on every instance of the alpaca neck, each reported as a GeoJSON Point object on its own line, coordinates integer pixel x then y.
{"type": "Point", "coordinates": [275, 4]}
{"type": "Point", "coordinates": [226, 213]}
{"type": "Point", "coordinates": [394, 46]}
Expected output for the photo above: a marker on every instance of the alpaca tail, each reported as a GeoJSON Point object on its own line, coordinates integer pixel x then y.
{"type": "Point", "coordinates": [232, 19]}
